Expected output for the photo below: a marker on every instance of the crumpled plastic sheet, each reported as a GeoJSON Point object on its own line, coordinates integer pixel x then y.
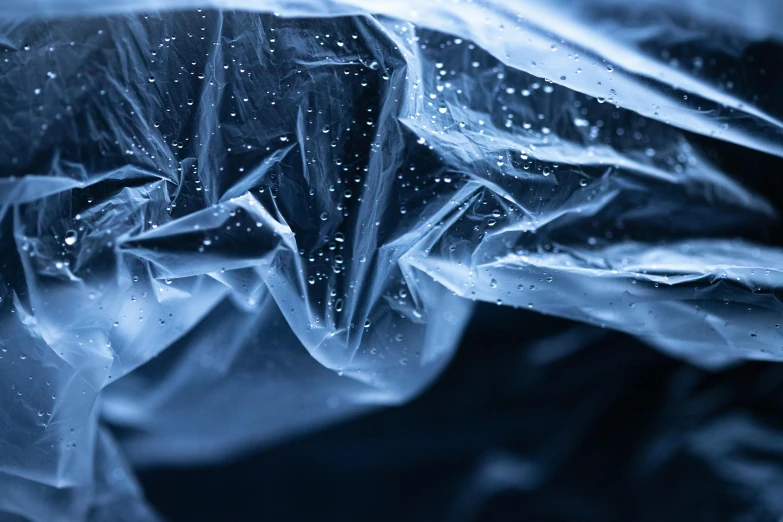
{"type": "Point", "coordinates": [260, 222]}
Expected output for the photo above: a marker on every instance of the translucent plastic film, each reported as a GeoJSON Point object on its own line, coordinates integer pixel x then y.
{"type": "Point", "coordinates": [257, 223]}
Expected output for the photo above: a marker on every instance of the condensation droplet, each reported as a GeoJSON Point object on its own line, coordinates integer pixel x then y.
{"type": "Point", "coordinates": [70, 237]}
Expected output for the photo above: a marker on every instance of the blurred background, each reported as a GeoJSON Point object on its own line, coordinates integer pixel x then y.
{"type": "Point", "coordinates": [536, 418]}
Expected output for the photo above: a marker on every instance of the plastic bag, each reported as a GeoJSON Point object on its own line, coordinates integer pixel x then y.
{"type": "Point", "coordinates": [258, 223]}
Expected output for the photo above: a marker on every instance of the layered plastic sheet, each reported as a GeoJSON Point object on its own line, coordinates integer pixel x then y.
{"type": "Point", "coordinates": [257, 223]}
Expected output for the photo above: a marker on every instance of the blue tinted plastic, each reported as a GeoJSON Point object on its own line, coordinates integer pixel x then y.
{"type": "Point", "coordinates": [259, 223]}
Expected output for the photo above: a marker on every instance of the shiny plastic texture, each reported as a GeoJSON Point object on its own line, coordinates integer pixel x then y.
{"type": "Point", "coordinates": [257, 223]}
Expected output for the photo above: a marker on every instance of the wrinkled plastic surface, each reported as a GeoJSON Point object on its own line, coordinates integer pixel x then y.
{"type": "Point", "coordinates": [257, 223]}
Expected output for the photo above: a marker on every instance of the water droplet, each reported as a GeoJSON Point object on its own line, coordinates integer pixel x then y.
{"type": "Point", "coordinates": [70, 237]}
